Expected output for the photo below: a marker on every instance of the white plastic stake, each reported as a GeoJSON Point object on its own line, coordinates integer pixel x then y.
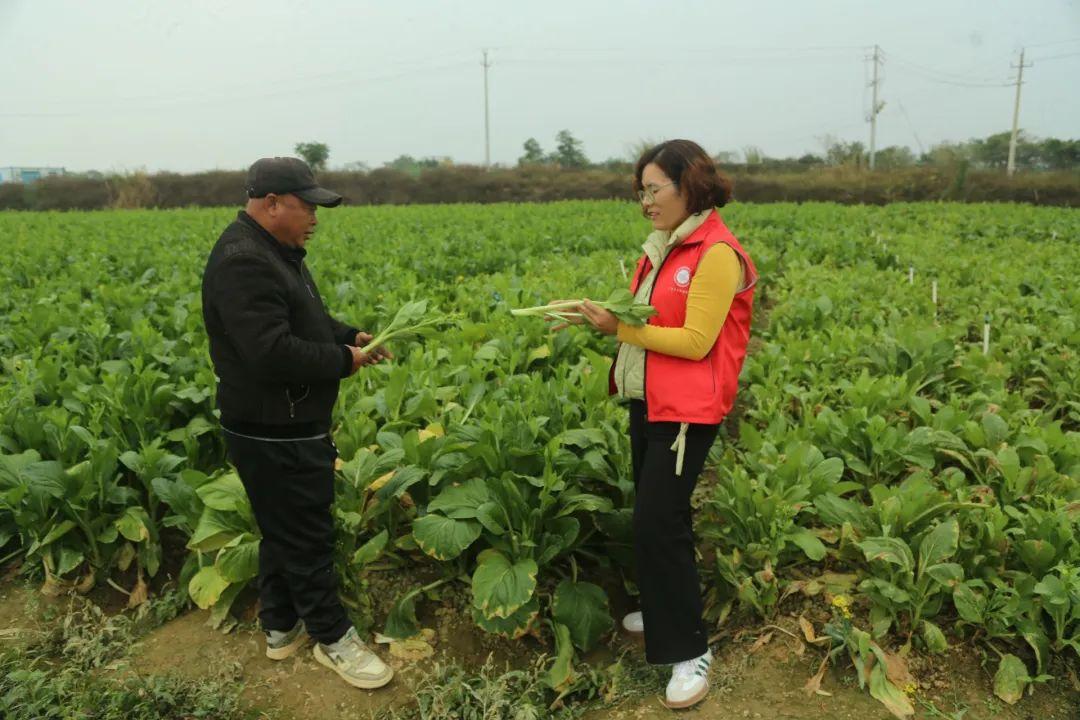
{"type": "Point", "coordinates": [933, 293]}
{"type": "Point", "coordinates": [986, 335]}
{"type": "Point", "coordinates": [622, 266]}
{"type": "Point", "coordinates": [911, 274]}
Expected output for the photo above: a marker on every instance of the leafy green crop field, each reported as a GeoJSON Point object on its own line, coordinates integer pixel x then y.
{"type": "Point", "coordinates": [905, 450]}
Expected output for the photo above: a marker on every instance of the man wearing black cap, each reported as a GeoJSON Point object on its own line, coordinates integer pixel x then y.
{"type": "Point", "coordinates": [279, 357]}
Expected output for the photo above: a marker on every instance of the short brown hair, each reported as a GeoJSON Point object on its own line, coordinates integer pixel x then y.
{"type": "Point", "coordinates": [693, 172]}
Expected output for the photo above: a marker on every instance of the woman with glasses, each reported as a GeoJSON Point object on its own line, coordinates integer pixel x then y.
{"type": "Point", "coordinates": [680, 375]}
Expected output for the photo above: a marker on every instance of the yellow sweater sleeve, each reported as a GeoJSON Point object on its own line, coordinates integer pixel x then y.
{"type": "Point", "coordinates": [710, 295]}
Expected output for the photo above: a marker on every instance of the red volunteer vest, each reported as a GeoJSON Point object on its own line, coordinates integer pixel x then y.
{"type": "Point", "coordinates": [694, 391]}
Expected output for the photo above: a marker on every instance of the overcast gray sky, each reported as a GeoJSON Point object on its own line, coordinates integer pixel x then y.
{"type": "Point", "coordinates": [200, 84]}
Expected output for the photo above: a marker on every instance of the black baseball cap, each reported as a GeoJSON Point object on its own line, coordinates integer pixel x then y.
{"type": "Point", "coordinates": [284, 175]}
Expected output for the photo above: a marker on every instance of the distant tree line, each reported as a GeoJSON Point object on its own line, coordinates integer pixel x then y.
{"type": "Point", "coordinates": [972, 171]}
{"type": "Point", "coordinates": [989, 153]}
{"type": "Point", "coordinates": [548, 182]}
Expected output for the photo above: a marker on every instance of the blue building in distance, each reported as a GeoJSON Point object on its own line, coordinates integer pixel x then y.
{"type": "Point", "coordinates": [27, 175]}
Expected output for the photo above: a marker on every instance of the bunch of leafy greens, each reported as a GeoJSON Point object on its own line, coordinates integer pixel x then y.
{"type": "Point", "coordinates": [621, 303]}
{"type": "Point", "coordinates": [411, 321]}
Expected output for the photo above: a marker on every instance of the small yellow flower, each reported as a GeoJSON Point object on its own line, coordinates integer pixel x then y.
{"type": "Point", "coordinates": [910, 688]}
{"type": "Point", "coordinates": [843, 604]}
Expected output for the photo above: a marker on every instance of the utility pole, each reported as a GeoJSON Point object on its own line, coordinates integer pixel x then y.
{"type": "Point", "coordinates": [1011, 167]}
{"type": "Point", "coordinates": [876, 107]}
{"type": "Point", "coordinates": [487, 122]}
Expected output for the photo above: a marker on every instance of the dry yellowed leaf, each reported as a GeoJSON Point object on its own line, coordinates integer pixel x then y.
{"type": "Point", "coordinates": [85, 584]}
{"type": "Point", "coordinates": [434, 430]}
{"type": "Point", "coordinates": [761, 642]}
{"type": "Point", "coordinates": [53, 587]}
{"type": "Point", "coordinates": [380, 481]}
{"type": "Point", "coordinates": [807, 629]}
{"type": "Point", "coordinates": [813, 685]}
{"type": "Point", "coordinates": [896, 670]}
{"type": "Point", "coordinates": [827, 535]}
{"type": "Point", "coordinates": [139, 594]}
{"type": "Point", "coordinates": [412, 650]}
{"type": "Point", "coordinates": [418, 647]}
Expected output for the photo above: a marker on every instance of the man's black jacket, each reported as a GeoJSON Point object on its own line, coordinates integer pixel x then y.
{"type": "Point", "coordinates": [278, 354]}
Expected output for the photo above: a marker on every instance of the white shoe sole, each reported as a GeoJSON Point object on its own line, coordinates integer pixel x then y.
{"type": "Point", "coordinates": [631, 631]}
{"type": "Point", "coordinates": [372, 684]}
{"type": "Point", "coordinates": [689, 702]}
{"type": "Point", "coordinates": [285, 652]}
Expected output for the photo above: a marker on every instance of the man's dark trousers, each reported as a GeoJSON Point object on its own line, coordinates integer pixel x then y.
{"type": "Point", "coordinates": [291, 486]}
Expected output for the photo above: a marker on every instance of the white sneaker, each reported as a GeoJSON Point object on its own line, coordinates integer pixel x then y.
{"type": "Point", "coordinates": [689, 682]}
{"type": "Point", "coordinates": [282, 644]}
{"type": "Point", "coordinates": [350, 658]}
{"type": "Point", "coordinates": [634, 623]}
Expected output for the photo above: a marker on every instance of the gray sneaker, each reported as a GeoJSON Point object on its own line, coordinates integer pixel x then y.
{"type": "Point", "coordinates": [280, 645]}
{"type": "Point", "coordinates": [350, 658]}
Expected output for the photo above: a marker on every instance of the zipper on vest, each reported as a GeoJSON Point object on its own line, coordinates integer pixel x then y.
{"type": "Point", "coordinates": [645, 364]}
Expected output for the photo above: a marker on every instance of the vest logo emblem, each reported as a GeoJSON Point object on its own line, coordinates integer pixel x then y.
{"type": "Point", "coordinates": [682, 276]}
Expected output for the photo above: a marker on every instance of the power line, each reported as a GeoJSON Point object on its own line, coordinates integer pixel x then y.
{"type": "Point", "coordinates": [1056, 42]}
{"type": "Point", "coordinates": [955, 83]}
{"type": "Point", "coordinates": [237, 90]}
{"type": "Point", "coordinates": [172, 103]}
{"type": "Point", "coordinates": [585, 57]}
{"type": "Point", "coordinates": [669, 60]}
{"type": "Point", "coordinates": [1056, 57]}
{"type": "Point", "coordinates": [946, 77]}
{"type": "Point", "coordinates": [36, 114]}
{"type": "Point", "coordinates": [727, 49]}
{"type": "Point", "coordinates": [922, 150]}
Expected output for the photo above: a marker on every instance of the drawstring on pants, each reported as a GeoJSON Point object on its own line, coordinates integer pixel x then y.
{"type": "Point", "coordinates": [679, 446]}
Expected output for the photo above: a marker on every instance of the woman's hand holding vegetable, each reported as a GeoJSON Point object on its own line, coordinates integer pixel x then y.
{"type": "Point", "coordinates": [601, 319]}
{"type": "Point", "coordinates": [570, 315]}
{"type": "Point", "coordinates": [605, 315]}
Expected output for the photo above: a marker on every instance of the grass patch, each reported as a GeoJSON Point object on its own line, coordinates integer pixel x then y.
{"type": "Point", "coordinates": [77, 669]}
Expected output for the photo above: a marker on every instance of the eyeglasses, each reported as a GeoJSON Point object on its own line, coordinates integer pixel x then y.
{"type": "Point", "coordinates": [648, 194]}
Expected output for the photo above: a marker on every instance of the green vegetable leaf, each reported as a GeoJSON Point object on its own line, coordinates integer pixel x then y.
{"type": "Point", "coordinates": [444, 538]}
{"type": "Point", "coordinates": [501, 587]}
{"type": "Point", "coordinates": [206, 587]}
{"type": "Point", "coordinates": [583, 608]}
{"type": "Point", "coordinates": [1010, 679]}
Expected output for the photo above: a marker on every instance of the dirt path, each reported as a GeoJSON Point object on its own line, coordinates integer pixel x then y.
{"type": "Point", "coordinates": [16, 622]}
{"type": "Point", "coordinates": [746, 683]}
{"type": "Point", "coordinates": [763, 684]}
{"type": "Point", "coordinates": [768, 684]}
{"type": "Point", "coordinates": [295, 688]}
